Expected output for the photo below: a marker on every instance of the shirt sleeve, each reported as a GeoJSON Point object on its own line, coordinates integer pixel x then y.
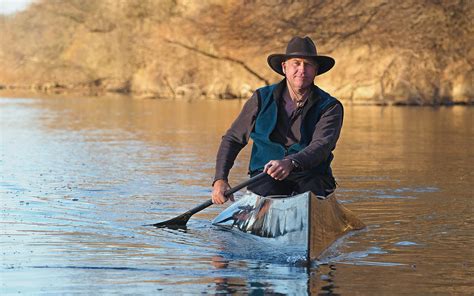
{"type": "Point", "coordinates": [236, 138]}
{"type": "Point", "coordinates": [324, 139]}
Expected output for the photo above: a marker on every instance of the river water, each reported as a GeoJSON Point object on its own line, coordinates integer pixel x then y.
{"type": "Point", "coordinates": [80, 176]}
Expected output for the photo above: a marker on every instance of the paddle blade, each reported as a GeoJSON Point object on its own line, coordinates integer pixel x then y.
{"type": "Point", "coordinates": [175, 223]}
{"type": "Point", "coordinates": [181, 220]}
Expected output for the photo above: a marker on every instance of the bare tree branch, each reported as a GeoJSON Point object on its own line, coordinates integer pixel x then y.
{"type": "Point", "coordinates": [225, 58]}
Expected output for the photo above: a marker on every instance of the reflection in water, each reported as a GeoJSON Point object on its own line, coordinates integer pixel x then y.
{"type": "Point", "coordinates": [224, 284]}
{"type": "Point", "coordinates": [322, 281]}
{"type": "Point", "coordinates": [79, 178]}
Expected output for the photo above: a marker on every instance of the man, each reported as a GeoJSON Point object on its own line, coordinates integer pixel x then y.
{"type": "Point", "coordinates": [294, 126]}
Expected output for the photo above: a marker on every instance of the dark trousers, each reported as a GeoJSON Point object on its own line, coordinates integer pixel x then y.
{"type": "Point", "coordinates": [295, 183]}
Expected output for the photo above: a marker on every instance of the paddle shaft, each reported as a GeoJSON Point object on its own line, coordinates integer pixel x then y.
{"type": "Point", "coordinates": [227, 193]}
{"type": "Point", "coordinates": [182, 219]}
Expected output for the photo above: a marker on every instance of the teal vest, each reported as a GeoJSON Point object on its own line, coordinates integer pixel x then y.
{"type": "Point", "coordinates": [264, 149]}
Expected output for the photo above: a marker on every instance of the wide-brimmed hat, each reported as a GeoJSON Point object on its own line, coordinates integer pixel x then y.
{"type": "Point", "coordinates": [301, 48]}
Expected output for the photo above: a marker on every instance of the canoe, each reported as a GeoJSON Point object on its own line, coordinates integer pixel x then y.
{"type": "Point", "coordinates": [309, 222]}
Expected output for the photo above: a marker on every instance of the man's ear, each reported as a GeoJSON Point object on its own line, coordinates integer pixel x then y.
{"type": "Point", "coordinates": [283, 67]}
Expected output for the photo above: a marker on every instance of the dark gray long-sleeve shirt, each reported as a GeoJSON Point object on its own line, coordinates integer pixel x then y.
{"type": "Point", "coordinates": [286, 132]}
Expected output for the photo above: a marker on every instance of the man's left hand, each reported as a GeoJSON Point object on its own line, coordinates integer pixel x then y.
{"type": "Point", "coordinates": [278, 169]}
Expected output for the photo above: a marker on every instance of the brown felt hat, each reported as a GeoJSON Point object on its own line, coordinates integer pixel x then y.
{"type": "Point", "coordinates": [301, 48]}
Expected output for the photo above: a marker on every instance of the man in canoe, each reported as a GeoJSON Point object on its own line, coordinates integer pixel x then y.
{"type": "Point", "coordinates": [294, 126]}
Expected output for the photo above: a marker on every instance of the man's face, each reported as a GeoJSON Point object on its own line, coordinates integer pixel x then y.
{"type": "Point", "coordinates": [300, 72]}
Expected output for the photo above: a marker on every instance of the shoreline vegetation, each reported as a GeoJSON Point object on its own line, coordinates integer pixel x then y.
{"type": "Point", "coordinates": [417, 53]}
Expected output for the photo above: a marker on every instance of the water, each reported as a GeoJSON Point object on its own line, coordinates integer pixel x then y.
{"type": "Point", "coordinates": [80, 176]}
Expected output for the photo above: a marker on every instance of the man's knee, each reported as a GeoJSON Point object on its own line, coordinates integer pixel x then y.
{"type": "Point", "coordinates": [318, 184]}
{"type": "Point", "coordinates": [269, 186]}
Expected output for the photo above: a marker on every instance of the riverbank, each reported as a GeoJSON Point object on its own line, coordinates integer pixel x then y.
{"type": "Point", "coordinates": [386, 53]}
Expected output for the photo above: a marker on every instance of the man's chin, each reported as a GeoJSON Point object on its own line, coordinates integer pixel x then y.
{"type": "Point", "coordinates": [301, 85]}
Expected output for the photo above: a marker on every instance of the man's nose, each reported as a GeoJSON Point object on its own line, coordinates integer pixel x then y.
{"type": "Point", "coordinates": [302, 67]}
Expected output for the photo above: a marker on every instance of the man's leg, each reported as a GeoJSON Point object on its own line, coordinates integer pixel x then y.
{"type": "Point", "coordinates": [269, 186]}
{"type": "Point", "coordinates": [321, 185]}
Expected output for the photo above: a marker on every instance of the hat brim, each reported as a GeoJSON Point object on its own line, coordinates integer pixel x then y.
{"type": "Point", "coordinates": [325, 63]}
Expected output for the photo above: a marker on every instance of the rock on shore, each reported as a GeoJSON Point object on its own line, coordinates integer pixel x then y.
{"type": "Point", "coordinates": [387, 52]}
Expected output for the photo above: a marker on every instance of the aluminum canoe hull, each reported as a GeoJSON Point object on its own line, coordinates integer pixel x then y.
{"type": "Point", "coordinates": [310, 223]}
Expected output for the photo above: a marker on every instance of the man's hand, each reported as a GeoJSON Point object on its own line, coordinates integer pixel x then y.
{"type": "Point", "coordinates": [278, 169]}
{"type": "Point", "coordinates": [220, 186]}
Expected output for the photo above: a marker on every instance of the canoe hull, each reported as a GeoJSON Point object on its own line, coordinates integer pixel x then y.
{"type": "Point", "coordinates": [308, 222]}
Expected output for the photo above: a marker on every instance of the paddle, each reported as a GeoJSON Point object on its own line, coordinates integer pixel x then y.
{"type": "Point", "coordinates": [181, 220]}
